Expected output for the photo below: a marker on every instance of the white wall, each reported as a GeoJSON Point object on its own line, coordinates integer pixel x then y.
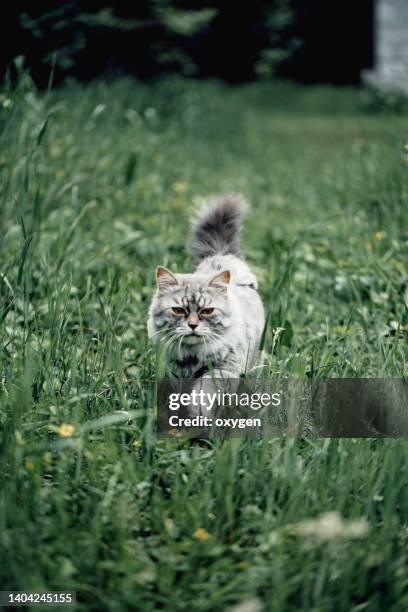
{"type": "Point", "coordinates": [390, 45]}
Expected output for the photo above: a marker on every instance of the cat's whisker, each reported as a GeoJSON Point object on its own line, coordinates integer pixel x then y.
{"type": "Point", "coordinates": [179, 346]}
{"type": "Point", "coordinates": [214, 336]}
{"type": "Point", "coordinates": [205, 344]}
{"type": "Point", "coordinates": [171, 338]}
{"type": "Point", "coordinates": [161, 335]}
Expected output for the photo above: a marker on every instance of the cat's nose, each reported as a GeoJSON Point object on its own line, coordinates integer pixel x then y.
{"type": "Point", "coordinates": [192, 321]}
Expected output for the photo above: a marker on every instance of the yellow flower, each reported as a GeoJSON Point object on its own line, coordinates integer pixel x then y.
{"type": "Point", "coordinates": [201, 534]}
{"type": "Point", "coordinates": [379, 235]}
{"type": "Point", "coordinates": [29, 466]}
{"type": "Point", "coordinates": [244, 565]}
{"type": "Point", "coordinates": [65, 430]}
{"type": "Point", "coordinates": [174, 433]}
{"type": "Point", "coordinates": [180, 187]}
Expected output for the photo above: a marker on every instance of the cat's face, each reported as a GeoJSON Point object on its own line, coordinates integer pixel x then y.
{"type": "Point", "coordinates": [190, 309]}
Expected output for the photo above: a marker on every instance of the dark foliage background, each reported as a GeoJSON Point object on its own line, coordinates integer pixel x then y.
{"type": "Point", "coordinates": [306, 40]}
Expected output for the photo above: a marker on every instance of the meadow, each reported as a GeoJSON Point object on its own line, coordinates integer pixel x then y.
{"type": "Point", "coordinates": [98, 182]}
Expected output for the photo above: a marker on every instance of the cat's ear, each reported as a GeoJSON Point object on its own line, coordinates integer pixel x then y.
{"type": "Point", "coordinates": [221, 281]}
{"type": "Point", "coordinates": [165, 278]}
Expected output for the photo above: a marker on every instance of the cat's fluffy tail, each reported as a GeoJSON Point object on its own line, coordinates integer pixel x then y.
{"type": "Point", "coordinates": [217, 227]}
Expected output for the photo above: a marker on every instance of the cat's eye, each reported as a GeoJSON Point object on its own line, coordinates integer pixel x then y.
{"type": "Point", "coordinates": [206, 311]}
{"type": "Point", "coordinates": [178, 311]}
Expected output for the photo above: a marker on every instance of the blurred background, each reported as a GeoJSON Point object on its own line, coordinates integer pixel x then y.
{"type": "Point", "coordinates": [310, 41]}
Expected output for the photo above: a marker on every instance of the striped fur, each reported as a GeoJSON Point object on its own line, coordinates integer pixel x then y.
{"type": "Point", "coordinates": [217, 228]}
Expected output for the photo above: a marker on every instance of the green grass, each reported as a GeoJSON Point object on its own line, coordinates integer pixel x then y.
{"type": "Point", "coordinates": [97, 186]}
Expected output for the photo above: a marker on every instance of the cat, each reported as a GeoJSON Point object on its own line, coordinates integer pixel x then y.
{"type": "Point", "coordinates": [211, 320]}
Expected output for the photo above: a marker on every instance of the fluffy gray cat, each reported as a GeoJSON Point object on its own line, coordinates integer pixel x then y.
{"type": "Point", "coordinates": [212, 319]}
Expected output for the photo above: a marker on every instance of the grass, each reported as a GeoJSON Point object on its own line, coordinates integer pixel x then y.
{"type": "Point", "coordinates": [97, 186]}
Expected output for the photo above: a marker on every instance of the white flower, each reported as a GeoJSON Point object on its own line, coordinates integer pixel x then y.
{"type": "Point", "coordinates": [330, 526]}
